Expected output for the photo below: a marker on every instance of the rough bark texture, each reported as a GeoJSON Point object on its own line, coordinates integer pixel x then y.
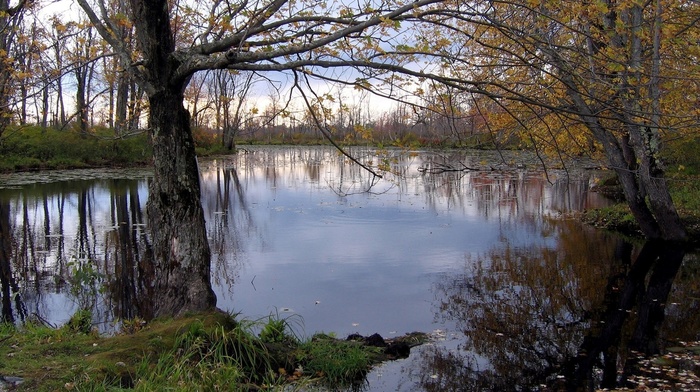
{"type": "Point", "coordinates": [657, 218]}
{"type": "Point", "coordinates": [181, 253]}
{"type": "Point", "coordinates": [641, 175]}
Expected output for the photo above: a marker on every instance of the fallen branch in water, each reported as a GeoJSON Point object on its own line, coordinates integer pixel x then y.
{"type": "Point", "coordinates": [437, 168]}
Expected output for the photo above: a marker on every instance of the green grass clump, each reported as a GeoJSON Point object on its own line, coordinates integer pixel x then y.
{"type": "Point", "coordinates": [685, 192]}
{"type": "Point", "coordinates": [681, 156]}
{"type": "Point", "coordinates": [339, 363]}
{"type": "Point", "coordinates": [616, 218]}
{"type": "Point", "coordinates": [211, 351]}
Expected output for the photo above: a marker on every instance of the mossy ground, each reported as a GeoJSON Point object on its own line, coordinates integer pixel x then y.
{"type": "Point", "coordinates": [685, 191]}
{"type": "Point", "coordinates": [58, 359]}
{"type": "Point", "coordinates": [208, 351]}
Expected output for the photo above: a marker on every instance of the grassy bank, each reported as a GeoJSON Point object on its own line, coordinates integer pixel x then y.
{"type": "Point", "coordinates": [210, 352]}
{"type": "Point", "coordinates": [685, 191]}
{"type": "Point", "coordinates": [683, 176]}
{"type": "Point", "coordinates": [35, 148]}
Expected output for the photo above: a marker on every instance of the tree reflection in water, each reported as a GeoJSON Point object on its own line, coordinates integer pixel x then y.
{"type": "Point", "coordinates": [537, 306]}
{"type": "Point", "coordinates": [8, 284]}
{"type": "Point", "coordinates": [84, 244]}
{"type": "Point", "coordinates": [127, 249]}
{"type": "Point", "coordinates": [563, 317]}
{"type": "Point", "coordinates": [98, 265]}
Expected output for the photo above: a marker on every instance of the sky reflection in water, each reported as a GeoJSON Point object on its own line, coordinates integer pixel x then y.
{"type": "Point", "coordinates": [368, 259]}
{"type": "Point", "coordinates": [483, 255]}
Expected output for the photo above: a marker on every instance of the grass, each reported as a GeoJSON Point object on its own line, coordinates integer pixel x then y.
{"type": "Point", "coordinates": [685, 191]}
{"type": "Point", "coordinates": [211, 351]}
{"type": "Point", "coordinates": [338, 362]}
{"type": "Point", "coordinates": [35, 148]}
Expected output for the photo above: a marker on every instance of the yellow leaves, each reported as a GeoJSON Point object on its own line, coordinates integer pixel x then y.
{"type": "Point", "coordinates": [346, 13]}
{"type": "Point", "coordinates": [362, 84]}
{"type": "Point", "coordinates": [22, 75]}
{"type": "Point", "coordinates": [390, 23]}
{"type": "Point", "coordinates": [59, 27]}
{"type": "Point", "coordinates": [592, 11]}
{"type": "Point", "coordinates": [122, 20]}
{"type": "Point", "coordinates": [441, 43]}
{"type": "Point", "coordinates": [365, 133]}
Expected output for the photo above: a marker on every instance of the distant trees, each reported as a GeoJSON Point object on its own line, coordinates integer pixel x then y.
{"type": "Point", "coordinates": [57, 70]}
{"type": "Point", "coordinates": [66, 73]}
{"type": "Point", "coordinates": [10, 19]}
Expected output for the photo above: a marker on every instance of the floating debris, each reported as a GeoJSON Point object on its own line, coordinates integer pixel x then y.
{"type": "Point", "coordinates": [677, 370]}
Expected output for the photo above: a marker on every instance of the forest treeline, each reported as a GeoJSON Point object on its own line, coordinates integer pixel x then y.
{"type": "Point", "coordinates": [59, 74]}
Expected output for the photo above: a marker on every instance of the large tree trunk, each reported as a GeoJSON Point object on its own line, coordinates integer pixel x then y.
{"type": "Point", "coordinates": [181, 254]}
{"type": "Point", "coordinates": [644, 186]}
{"type": "Point", "coordinates": [636, 165]}
{"type": "Point", "coordinates": [181, 258]}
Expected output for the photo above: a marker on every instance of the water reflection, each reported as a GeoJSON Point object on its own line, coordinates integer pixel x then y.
{"type": "Point", "coordinates": [567, 317]}
{"type": "Point", "coordinates": [8, 283]}
{"type": "Point", "coordinates": [229, 220]}
{"type": "Point", "coordinates": [76, 244]}
{"type": "Point", "coordinates": [302, 230]}
{"type": "Point", "coordinates": [127, 249]}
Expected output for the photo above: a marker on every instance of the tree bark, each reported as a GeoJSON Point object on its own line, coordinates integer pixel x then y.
{"type": "Point", "coordinates": [80, 100]}
{"type": "Point", "coordinates": [181, 254]}
{"type": "Point", "coordinates": [122, 100]}
{"type": "Point", "coordinates": [636, 165]}
{"type": "Point", "coordinates": [5, 65]}
{"type": "Point", "coordinates": [181, 258]}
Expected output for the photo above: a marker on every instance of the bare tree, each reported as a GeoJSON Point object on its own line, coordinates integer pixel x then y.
{"type": "Point", "coordinates": [269, 36]}
{"type": "Point", "coordinates": [10, 18]}
{"type": "Point", "coordinates": [231, 90]}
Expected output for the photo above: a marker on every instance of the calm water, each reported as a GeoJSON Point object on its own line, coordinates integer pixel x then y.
{"type": "Point", "coordinates": [488, 260]}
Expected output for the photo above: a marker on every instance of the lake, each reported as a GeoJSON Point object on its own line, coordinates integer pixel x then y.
{"type": "Point", "coordinates": [481, 249]}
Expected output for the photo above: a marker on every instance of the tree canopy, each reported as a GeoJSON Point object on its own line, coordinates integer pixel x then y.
{"type": "Point", "coordinates": [616, 76]}
{"type": "Point", "coordinates": [605, 78]}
